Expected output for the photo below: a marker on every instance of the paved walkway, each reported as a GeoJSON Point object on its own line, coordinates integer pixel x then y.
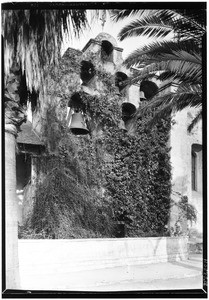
{"type": "Point", "coordinates": [160, 276]}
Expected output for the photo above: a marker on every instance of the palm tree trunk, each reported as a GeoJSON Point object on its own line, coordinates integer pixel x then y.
{"type": "Point", "coordinates": [14, 117]}
{"type": "Point", "coordinates": [12, 263]}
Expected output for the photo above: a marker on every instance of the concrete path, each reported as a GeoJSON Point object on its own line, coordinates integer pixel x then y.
{"type": "Point", "coordinates": [160, 276]}
{"type": "Point", "coordinates": [173, 284]}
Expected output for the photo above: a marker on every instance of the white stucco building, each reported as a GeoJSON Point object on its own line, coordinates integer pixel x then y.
{"type": "Point", "coordinates": [186, 161]}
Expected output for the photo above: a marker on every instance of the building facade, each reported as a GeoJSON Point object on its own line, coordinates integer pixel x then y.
{"type": "Point", "coordinates": [186, 148]}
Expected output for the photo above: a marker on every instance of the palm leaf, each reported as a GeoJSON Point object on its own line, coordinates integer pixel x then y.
{"type": "Point", "coordinates": [179, 60]}
{"type": "Point", "coordinates": [194, 17]}
{"type": "Point", "coordinates": [156, 50]}
{"type": "Point", "coordinates": [181, 69]}
{"type": "Point", "coordinates": [181, 78]}
{"type": "Point", "coordinates": [33, 38]}
{"type": "Point", "coordinates": [120, 14]}
{"type": "Point", "coordinates": [185, 22]}
{"type": "Point", "coordinates": [184, 96]}
{"type": "Point", "coordinates": [196, 119]}
{"type": "Point", "coordinates": [164, 106]}
{"type": "Point", "coordinates": [183, 87]}
{"type": "Point", "coordinates": [150, 26]}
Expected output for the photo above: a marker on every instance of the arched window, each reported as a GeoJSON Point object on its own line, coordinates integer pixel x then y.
{"type": "Point", "coordinates": [106, 51]}
{"type": "Point", "coordinates": [87, 71]}
{"type": "Point", "coordinates": [120, 77]}
{"type": "Point", "coordinates": [196, 167]}
{"type": "Point", "coordinates": [194, 171]}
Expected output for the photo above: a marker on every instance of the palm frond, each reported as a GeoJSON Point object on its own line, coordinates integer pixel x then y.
{"type": "Point", "coordinates": [150, 26]}
{"type": "Point", "coordinates": [164, 106]}
{"type": "Point", "coordinates": [179, 87]}
{"type": "Point", "coordinates": [33, 38]}
{"type": "Point", "coordinates": [196, 119]}
{"type": "Point", "coordinates": [180, 68]}
{"type": "Point", "coordinates": [157, 51]}
{"type": "Point", "coordinates": [119, 14]}
{"type": "Point", "coordinates": [181, 78]}
{"type": "Point", "coordinates": [162, 112]}
{"type": "Point", "coordinates": [184, 29]}
{"type": "Point", "coordinates": [187, 99]}
{"type": "Point", "coordinates": [184, 96]}
{"type": "Point", "coordinates": [195, 17]}
{"type": "Point", "coordinates": [185, 22]}
{"type": "Point", "coordinates": [179, 60]}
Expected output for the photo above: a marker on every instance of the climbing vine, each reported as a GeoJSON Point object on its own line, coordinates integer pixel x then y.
{"type": "Point", "coordinates": [139, 178]}
{"type": "Point", "coordinates": [91, 183]}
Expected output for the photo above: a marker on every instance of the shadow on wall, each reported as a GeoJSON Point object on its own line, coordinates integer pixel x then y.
{"type": "Point", "coordinates": [180, 185]}
{"type": "Point", "coordinates": [178, 254]}
{"type": "Point", "coordinates": [176, 249]}
{"type": "Point", "coordinates": [167, 249]}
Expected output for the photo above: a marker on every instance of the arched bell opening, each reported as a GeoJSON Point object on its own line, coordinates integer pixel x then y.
{"type": "Point", "coordinates": [128, 111]}
{"type": "Point", "coordinates": [106, 51]}
{"type": "Point", "coordinates": [120, 78]}
{"type": "Point", "coordinates": [87, 71]}
{"type": "Point", "coordinates": [149, 89]}
{"type": "Point", "coordinates": [76, 103]}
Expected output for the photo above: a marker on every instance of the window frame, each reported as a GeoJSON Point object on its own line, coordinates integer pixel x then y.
{"type": "Point", "coordinates": [194, 171]}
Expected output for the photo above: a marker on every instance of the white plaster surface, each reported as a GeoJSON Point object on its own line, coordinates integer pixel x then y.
{"type": "Point", "coordinates": [41, 260]}
{"type": "Point", "coordinates": [181, 147]}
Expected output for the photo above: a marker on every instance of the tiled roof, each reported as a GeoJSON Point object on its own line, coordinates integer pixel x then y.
{"type": "Point", "coordinates": [27, 135]}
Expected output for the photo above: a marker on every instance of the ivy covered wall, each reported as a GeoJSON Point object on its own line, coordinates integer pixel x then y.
{"type": "Point", "coordinates": [139, 180]}
{"type": "Point", "coordinates": [87, 185]}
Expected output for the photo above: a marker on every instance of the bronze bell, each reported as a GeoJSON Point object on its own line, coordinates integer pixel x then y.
{"type": "Point", "coordinates": [142, 96]}
{"type": "Point", "coordinates": [128, 109]}
{"type": "Point", "coordinates": [78, 125]}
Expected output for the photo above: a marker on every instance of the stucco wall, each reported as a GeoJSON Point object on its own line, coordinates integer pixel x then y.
{"type": "Point", "coordinates": [181, 147]}
{"type": "Point", "coordinates": [44, 264]}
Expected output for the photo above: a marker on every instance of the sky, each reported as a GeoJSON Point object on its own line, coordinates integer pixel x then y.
{"type": "Point", "coordinates": [128, 45]}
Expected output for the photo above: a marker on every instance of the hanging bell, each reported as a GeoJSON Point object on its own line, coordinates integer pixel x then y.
{"type": "Point", "coordinates": [78, 125]}
{"type": "Point", "coordinates": [142, 96]}
{"type": "Point", "coordinates": [128, 109]}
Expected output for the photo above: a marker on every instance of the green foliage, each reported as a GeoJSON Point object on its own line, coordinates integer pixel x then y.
{"type": "Point", "coordinates": [103, 111]}
{"type": "Point", "coordinates": [87, 184]}
{"type": "Point", "coordinates": [33, 38]}
{"type": "Point", "coordinates": [69, 203]}
{"type": "Point", "coordinates": [178, 61]}
{"type": "Point", "coordinates": [186, 212]}
{"type": "Point", "coordinates": [65, 208]}
{"type": "Point", "coordinates": [25, 232]}
{"type": "Point", "coordinates": [187, 209]}
{"type": "Point", "coordinates": [139, 178]}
